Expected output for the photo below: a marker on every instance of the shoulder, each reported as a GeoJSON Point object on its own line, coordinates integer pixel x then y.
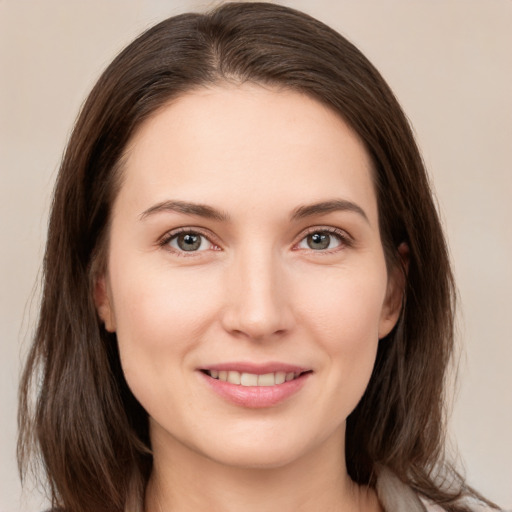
{"type": "Point", "coordinates": [396, 496]}
{"type": "Point", "coordinates": [474, 507]}
{"type": "Point", "coordinates": [432, 507]}
{"type": "Point", "coordinates": [469, 503]}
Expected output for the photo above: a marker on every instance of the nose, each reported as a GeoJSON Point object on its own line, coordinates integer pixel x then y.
{"type": "Point", "coordinates": [258, 302]}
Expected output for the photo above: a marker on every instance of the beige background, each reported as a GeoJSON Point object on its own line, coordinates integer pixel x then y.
{"type": "Point", "coordinates": [450, 64]}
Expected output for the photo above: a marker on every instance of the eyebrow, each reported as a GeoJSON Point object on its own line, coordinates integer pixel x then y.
{"type": "Point", "coordinates": [327, 207]}
{"type": "Point", "coordinates": [199, 210]}
{"type": "Point", "coordinates": [208, 212]}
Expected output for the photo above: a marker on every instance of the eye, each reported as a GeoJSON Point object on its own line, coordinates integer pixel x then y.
{"type": "Point", "coordinates": [187, 242]}
{"type": "Point", "coordinates": [322, 240]}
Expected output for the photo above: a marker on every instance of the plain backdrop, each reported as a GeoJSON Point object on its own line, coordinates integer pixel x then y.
{"type": "Point", "coordinates": [450, 64]}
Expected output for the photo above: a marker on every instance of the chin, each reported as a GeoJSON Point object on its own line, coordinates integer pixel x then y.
{"type": "Point", "coordinates": [269, 450]}
{"type": "Point", "coordinates": [256, 457]}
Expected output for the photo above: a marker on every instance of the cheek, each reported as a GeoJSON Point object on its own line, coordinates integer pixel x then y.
{"type": "Point", "coordinates": [161, 316]}
{"type": "Point", "coordinates": [343, 315]}
{"type": "Point", "coordinates": [344, 306]}
{"type": "Point", "coordinates": [161, 319]}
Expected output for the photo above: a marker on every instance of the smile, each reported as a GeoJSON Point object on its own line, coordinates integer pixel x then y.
{"type": "Point", "coordinates": [255, 387]}
{"type": "Point", "coordinates": [253, 379]}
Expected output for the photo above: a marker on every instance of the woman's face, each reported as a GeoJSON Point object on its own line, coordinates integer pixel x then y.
{"type": "Point", "coordinates": [244, 252]}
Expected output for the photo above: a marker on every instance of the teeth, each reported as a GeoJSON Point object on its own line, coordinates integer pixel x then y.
{"type": "Point", "coordinates": [269, 379]}
{"type": "Point", "coordinates": [280, 377]}
{"type": "Point", "coordinates": [251, 379]}
{"type": "Point", "coordinates": [234, 377]}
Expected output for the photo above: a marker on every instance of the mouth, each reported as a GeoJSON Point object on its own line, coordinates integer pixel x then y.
{"type": "Point", "coordinates": [254, 379]}
{"type": "Point", "coordinates": [255, 386]}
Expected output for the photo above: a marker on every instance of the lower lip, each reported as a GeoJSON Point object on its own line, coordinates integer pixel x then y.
{"type": "Point", "coordinates": [255, 397]}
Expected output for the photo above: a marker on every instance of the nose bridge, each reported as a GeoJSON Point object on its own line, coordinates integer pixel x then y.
{"type": "Point", "coordinates": [257, 295]}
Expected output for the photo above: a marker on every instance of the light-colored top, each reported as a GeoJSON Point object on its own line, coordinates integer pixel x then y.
{"type": "Point", "coordinates": [395, 496]}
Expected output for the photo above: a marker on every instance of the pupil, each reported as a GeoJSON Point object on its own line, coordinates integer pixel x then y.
{"type": "Point", "coordinates": [189, 242]}
{"type": "Point", "coordinates": [319, 241]}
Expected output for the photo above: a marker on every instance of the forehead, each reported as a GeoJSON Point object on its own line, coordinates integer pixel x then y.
{"type": "Point", "coordinates": [255, 142]}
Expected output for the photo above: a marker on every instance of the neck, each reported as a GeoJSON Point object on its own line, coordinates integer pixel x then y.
{"type": "Point", "coordinates": [184, 480]}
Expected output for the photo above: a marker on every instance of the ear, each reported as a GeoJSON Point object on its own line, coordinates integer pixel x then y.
{"type": "Point", "coordinates": [395, 292]}
{"type": "Point", "coordinates": [103, 302]}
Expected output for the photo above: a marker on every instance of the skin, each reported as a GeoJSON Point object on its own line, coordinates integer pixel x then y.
{"type": "Point", "coordinates": [255, 291]}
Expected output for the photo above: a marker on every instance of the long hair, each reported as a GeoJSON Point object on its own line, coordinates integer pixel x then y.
{"type": "Point", "coordinates": [90, 432]}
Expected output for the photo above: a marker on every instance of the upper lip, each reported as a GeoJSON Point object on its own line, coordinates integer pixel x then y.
{"type": "Point", "coordinates": [256, 368]}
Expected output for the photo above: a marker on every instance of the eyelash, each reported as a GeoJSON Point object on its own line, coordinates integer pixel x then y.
{"type": "Point", "coordinates": [343, 237]}
{"type": "Point", "coordinates": [168, 237]}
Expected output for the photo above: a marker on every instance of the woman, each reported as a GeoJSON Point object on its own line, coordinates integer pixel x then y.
{"type": "Point", "coordinates": [239, 305]}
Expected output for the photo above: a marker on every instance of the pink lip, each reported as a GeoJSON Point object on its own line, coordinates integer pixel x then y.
{"type": "Point", "coordinates": [257, 369]}
{"type": "Point", "coordinates": [255, 397]}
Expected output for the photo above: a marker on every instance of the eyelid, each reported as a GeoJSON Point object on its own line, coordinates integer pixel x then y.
{"type": "Point", "coordinates": [345, 238]}
{"type": "Point", "coordinates": [164, 240]}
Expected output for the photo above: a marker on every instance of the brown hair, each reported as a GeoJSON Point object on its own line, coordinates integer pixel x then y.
{"type": "Point", "coordinates": [91, 433]}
